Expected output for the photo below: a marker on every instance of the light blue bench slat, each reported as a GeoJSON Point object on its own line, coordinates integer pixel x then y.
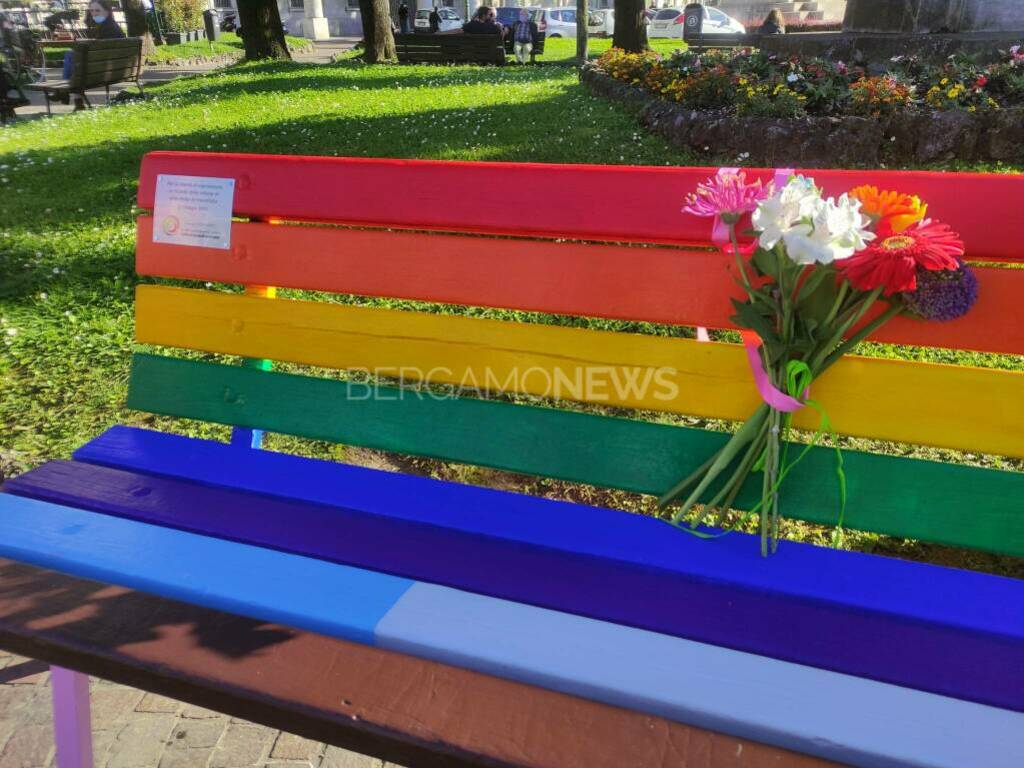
{"type": "Point", "coordinates": [816, 711]}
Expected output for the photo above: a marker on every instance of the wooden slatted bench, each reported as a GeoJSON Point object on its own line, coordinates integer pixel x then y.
{"type": "Point", "coordinates": [454, 48]}
{"type": "Point", "coordinates": [838, 655]}
{"type": "Point", "coordinates": [97, 64]}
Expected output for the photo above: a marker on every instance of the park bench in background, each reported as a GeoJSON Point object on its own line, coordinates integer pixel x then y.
{"type": "Point", "coordinates": [454, 48]}
{"type": "Point", "coordinates": [97, 63]}
{"type": "Point", "coordinates": [840, 655]}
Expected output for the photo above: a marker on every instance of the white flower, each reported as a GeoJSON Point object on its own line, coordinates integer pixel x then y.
{"type": "Point", "coordinates": [813, 230]}
{"type": "Point", "coordinates": [792, 77]}
{"type": "Point", "coordinates": [777, 215]}
{"type": "Point", "coordinates": [836, 232]}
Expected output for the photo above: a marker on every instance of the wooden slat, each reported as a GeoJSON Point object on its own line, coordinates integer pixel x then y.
{"type": "Point", "coordinates": [340, 692]}
{"type": "Point", "coordinates": [643, 204]}
{"type": "Point", "coordinates": [834, 715]}
{"type": "Point", "coordinates": [959, 407]}
{"type": "Point", "coordinates": [950, 504]}
{"type": "Point", "coordinates": [661, 285]}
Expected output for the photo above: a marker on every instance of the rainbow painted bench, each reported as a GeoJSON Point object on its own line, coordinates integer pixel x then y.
{"type": "Point", "coordinates": [480, 626]}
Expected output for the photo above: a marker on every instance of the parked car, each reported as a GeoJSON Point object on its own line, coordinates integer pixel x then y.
{"type": "Point", "coordinates": [561, 22]}
{"type": "Point", "coordinates": [450, 20]}
{"type": "Point", "coordinates": [668, 22]}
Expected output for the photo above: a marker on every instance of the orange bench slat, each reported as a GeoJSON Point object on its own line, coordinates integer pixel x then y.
{"type": "Point", "coordinates": [661, 285]}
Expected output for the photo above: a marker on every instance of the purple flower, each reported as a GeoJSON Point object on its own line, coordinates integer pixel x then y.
{"type": "Point", "coordinates": [943, 294]}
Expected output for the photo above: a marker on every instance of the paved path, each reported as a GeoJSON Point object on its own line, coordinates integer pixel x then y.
{"type": "Point", "coordinates": [323, 52]}
{"type": "Point", "coordinates": [134, 729]}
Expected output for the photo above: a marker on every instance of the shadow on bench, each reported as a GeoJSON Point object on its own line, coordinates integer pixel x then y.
{"type": "Point", "coordinates": [97, 63]}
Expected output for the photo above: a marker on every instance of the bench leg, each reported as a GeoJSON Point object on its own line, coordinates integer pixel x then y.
{"type": "Point", "coordinates": [107, 89]}
{"type": "Point", "coordinates": [47, 95]}
{"type": "Point", "coordinates": [71, 722]}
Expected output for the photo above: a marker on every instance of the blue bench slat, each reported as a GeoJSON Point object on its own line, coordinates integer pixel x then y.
{"type": "Point", "coordinates": [341, 601]}
{"type": "Point", "coordinates": [952, 632]}
{"type": "Point", "coordinates": [819, 712]}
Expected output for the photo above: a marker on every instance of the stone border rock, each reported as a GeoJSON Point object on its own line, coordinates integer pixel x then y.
{"type": "Point", "coordinates": [223, 59]}
{"type": "Point", "coordinates": [814, 142]}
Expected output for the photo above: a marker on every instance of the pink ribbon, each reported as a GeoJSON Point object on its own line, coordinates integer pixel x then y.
{"type": "Point", "coordinates": [775, 397]}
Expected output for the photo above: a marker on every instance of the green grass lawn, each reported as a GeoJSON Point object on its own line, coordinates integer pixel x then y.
{"type": "Point", "coordinates": [67, 190]}
{"type": "Point", "coordinates": [229, 44]}
{"type": "Point", "coordinates": [564, 48]}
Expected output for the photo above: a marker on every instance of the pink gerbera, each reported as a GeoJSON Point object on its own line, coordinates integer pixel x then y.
{"type": "Point", "coordinates": [892, 263]}
{"type": "Point", "coordinates": [727, 195]}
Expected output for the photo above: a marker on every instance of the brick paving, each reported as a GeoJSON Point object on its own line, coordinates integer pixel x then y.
{"type": "Point", "coordinates": [135, 729]}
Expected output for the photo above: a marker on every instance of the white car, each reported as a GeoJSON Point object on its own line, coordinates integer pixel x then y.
{"type": "Point", "coordinates": [561, 22]}
{"type": "Point", "coordinates": [668, 22]}
{"type": "Point", "coordinates": [450, 20]}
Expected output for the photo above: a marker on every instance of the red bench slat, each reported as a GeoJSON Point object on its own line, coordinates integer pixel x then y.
{"type": "Point", "coordinates": [617, 203]}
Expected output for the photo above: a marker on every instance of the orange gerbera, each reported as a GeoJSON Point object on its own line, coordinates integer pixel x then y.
{"type": "Point", "coordinates": [893, 211]}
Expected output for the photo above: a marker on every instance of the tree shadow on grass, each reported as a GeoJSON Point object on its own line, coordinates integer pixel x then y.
{"type": "Point", "coordinates": [76, 195]}
{"type": "Point", "coordinates": [289, 77]}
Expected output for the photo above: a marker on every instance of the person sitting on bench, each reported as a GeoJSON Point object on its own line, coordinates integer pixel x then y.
{"type": "Point", "coordinates": [483, 23]}
{"type": "Point", "coordinates": [524, 36]}
{"type": "Point", "coordinates": [102, 27]}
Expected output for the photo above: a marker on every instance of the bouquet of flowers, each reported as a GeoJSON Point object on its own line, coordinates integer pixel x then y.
{"type": "Point", "coordinates": [822, 275]}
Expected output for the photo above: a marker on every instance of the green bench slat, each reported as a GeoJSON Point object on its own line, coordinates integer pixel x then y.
{"type": "Point", "coordinates": [944, 503]}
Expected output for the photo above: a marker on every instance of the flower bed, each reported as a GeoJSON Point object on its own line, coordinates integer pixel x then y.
{"type": "Point", "coordinates": [816, 111]}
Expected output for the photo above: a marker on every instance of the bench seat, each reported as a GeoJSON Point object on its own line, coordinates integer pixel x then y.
{"type": "Point", "coordinates": [341, 692]}
{"type": "Point", "coordinates": [811, 710]}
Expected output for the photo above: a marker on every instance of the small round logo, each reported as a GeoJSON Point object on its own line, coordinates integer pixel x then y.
{"type": "Point", "coordinates": [170, 225]}
{"type": "Point", "coordinates": [692, 20]}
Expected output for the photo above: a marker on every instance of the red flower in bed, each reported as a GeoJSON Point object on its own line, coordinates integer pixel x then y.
{"type": "Point", "coordinates": [892, 263]}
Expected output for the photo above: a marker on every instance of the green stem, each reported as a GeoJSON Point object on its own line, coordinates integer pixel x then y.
{"type": "Point", "coordinates": [756, 448]}
{"type": "Point", "coordinates": [855, 317]}
{"type": "Point", "coordinates": [724, 457]}
{"type": "Point", "coordinates": [859, 336]}
{"type": "Point", "coordinates": [840, 298]}
{"type": "Point", "coordinates": [739, 258]}
{"type": "Point", "coordinates": [736, 479]}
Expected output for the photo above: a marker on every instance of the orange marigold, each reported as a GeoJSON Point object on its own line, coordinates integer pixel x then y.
{"type": "Point", "coordinates": [894, 211]}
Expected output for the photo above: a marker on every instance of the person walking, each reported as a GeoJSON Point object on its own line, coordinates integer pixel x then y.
{"type": "Point", "coordinates": [524, 36]}
{"type": "Point", "coordinates": [435, 21]}
{"type": "Point", "coordinates": [403, 17]}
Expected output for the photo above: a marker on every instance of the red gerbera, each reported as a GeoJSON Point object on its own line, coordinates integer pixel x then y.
{"type": "Point", "coordinates": [892, 263]}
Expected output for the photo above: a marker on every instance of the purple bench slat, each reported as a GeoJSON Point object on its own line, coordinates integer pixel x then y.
{"type": "Point", "coordinates": [951, 632]}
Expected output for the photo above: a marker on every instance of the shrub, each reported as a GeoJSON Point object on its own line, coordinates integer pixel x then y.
{"type": "Point", "coordinates": [754, 82]}
{"type": "Point", "coordinates": [879, 96]}
{"type": "Point", "coordinates": [765, 100]}
{"type": "Point", "coordinates": [183, 15]}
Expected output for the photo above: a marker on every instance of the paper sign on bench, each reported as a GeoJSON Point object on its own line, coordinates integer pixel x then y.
{"type": "Point", "coordinates": [193, 210]}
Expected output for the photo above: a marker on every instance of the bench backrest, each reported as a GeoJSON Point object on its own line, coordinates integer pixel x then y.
{"type": "Point", "coordinates": [618, 249]}
{"type": "Point", "coordinates": [105, 62]}
{"type": "Point", "coordinates": [450, 48]}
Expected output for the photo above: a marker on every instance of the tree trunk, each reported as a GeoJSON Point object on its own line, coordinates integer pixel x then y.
{"type": "Point", "coordinates": [138, 25]}
{"type": "Point", "coordinates": [377, 35]}
{"type": "Point", "coordinates": [262, 33]}
{"type": "Point", "coordinates": [630, 27]}
{"type": "Point", "coordinates": [582, 12]}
